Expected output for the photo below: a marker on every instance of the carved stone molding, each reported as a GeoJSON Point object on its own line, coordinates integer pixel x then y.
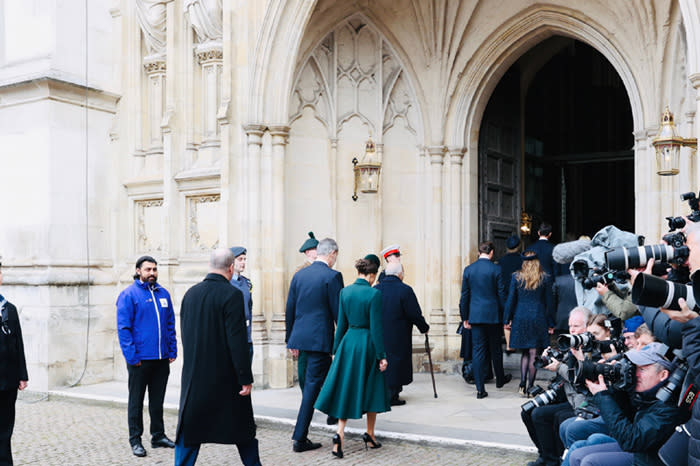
{"type": "Point", "coordinates": [695, 80]}
{"type": "Point", "coordinates": [437, 154]}
{"type": "Point", "coordinates": [456, 155]}
{"type": "Point", "coordinates": [149, 225]}
{"type": "Point", "coordinates": [254, 133]}
{"type": "Point", "coordinates": [279, 134]}
{"type": "Point", "coordinates": [209, 52]}
{"type": "Point", "coordinates": [154, 64]}
{"type": "Point", "coordinates": [202, 221]}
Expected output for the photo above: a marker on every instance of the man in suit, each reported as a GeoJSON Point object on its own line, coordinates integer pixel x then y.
{"type": "Point", "coordinates": [215, 405]}
{"type": "Point", "coordinates": [510, 263]}
{"type": "Point", "coordinates": [392, 255]}
{"type": "Point", "coordinates": [312, 310]}
{"type": "Point", "coordinates": [543, 248]}
{"type": "Point", "coordinates": [481, 308]}
{"type": "Point", "coordinates": [246, 286]}
{"type": "Point", "coordinates": [400, 312]}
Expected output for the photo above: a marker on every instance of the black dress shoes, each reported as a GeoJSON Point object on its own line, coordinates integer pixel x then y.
{"type": "Point", "coordinates": [305, 445]}
{"type": "Point", "coordinates": [395, 401]}
{"type": "Point", "coordinates": [163, 442]}
{"type": "Point", "coordinates": [138, 450]}
{"type": "Point", "coordinates": [507, 378]}
{"type": "Point", "coordinates": [480, 395]}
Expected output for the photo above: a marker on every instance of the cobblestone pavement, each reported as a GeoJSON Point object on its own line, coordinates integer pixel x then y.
{"type": "Point", "coordinates": [65, 432]}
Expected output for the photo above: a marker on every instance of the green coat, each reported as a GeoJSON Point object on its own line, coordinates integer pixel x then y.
{"type": "Point", "coordinates": [354, 384]}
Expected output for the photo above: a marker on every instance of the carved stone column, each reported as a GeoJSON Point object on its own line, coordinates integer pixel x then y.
{"type": "Point", "coordinates": [434, 248]}
{"type": "Point", "coordinates": [210, 58]}
{"type": "Point", "coordinates": [280, 368]}
{"type": "Point", "coordinates": [647, 188]}
{"type": "Point", "coordinates": [252, 241]}
{"type": "Point", "coordinates": [453, 249]}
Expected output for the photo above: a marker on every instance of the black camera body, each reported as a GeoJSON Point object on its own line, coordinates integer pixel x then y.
{"type": "Point", "coordinates": [549, 356]}
{"type": "Point", "coordinates": [545, 397]}
{"type": "Point", "coordinates": [620, 376]}
{"type": "Point", "coordinates": [605, 277]}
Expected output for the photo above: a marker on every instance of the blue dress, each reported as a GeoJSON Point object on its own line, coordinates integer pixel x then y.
{"type": "Point", "coordinates": [531, 314]}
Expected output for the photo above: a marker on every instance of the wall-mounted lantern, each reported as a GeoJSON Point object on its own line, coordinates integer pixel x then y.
{"type": "Point", "coordinates": [525, 223]}
{"type": "Point", "coordinates": [667, 145]}
{"type": "Point", "coordinates": [367, 171]}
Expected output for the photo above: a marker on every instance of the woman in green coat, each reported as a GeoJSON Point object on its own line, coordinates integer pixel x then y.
{"type": "Point", "coordinates": [355, 383]}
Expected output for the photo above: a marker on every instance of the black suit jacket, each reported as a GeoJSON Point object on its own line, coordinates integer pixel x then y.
{"type": "Point", "coordinates": [544, 248]}
{"type": "Point", "coordinates": [13, 366]}
{"type": "Point", "coordinates": [312, 308]}
{"type": "Point", "coordinates": [216, 363]}
{"type": "Point", "coordinates": [483, 293]}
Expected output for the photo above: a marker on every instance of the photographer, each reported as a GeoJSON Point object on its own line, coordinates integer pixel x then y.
{"type": "Point", "coordinates": [619, 302]}
{"type": "Point", "coordinates": [543, 422]}
{"type": "Point", "coordinates": [691, 338]}
{"type": "Point", "coordinates": [638, 422]}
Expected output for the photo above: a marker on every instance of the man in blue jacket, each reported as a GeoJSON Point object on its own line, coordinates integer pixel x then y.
{"type": "Point", "coordinates": [246, 286]}
{"type": "Point", "coordinates": [481, 309]}
{"type": "Point", "coordinates": [146, 328]}
{"type": "Point", "coordinates": [312, 310]}
{"type": "Point", "coordinates": [543, 248]}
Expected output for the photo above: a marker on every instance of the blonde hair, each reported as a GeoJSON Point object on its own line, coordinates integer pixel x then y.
{"type": "Point", "coordinates": [531, 274]}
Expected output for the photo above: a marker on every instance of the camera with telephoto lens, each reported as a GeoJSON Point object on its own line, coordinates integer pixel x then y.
{"type": "Point", "coordinates": [620, 376]}
{"type": "Point", "coordinates": [545, 397]}
{"type": "Point", "coordinates": [652, 291]}
{"type": "Point", "coordinates": [605, 277]}
{"type": "Point", "coordinates": [548, 357]}
{"type": "Point", "coordinates": [584, 341]}
{"type": "Point", "coordinates": [675, 223]}
{"type": "Point", "coordinates": [635, 257]}
{"type": "Point", "coordinates": [676, 379]}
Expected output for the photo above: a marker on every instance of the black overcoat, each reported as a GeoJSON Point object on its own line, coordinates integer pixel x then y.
{"type": "Point", "coordinates": [400, 312]}
{"type": "Point", "coordinates": [13, 366]}
{"type": "Point", "coordinates": [216, 364]}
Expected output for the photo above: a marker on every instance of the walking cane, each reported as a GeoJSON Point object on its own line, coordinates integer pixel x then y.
{"type": "Point", "coordinates": [430, 360]}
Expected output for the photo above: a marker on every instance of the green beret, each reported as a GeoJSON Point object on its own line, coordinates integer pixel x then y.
{"type": "Point", "coordinates": [310, 243]}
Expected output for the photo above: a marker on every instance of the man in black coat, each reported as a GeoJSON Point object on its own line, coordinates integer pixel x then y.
{"type": "Point", "coordinates": [312, 310]}
{"type": "Point", "coordinates": [13, 373]}
{"type": "Point", "coordinates": [215, 405]}
{"type": "Point", "coordinates": [481, 309]}
{"type": "Point", "coordinates": [400, 312]}
{"type": "Point", "coordinates": [543, 248]}
{"type": "Point", "coordinates": [510, 263]}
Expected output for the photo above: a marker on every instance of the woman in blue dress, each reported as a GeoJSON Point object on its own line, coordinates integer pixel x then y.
{"type": "Point", "coordinates": [528, 315]}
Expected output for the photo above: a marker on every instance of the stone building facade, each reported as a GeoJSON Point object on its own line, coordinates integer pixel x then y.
{"type": "Point", "coordinates": [170, 127]}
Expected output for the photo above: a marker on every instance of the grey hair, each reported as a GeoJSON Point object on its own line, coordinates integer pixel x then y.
{"type": "Point", "coordinates": [584, 311]}
{"type": "Point", "coordinates": [221, 259]}
{"type": "Point", "coordinates": [326, 246]}
{"type": "Point", "coordinates": [394, 268]}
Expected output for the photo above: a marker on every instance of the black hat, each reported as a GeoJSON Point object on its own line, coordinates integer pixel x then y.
{"type": "Point", "coordinates": [513, 242]}
{"type": "Point", "coordinates": [310, 243]}
{"type": "Point", "coordinates": [373, 259]}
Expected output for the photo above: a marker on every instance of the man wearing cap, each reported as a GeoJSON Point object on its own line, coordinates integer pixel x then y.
{"type": "Point", "coordinates": [146, 329]}
{"type": "Point", "coordinates": [392, 255]}
{"type": "Point", "coordinates": [637, 422]}
{"type": "Point", "coordinates": [481, 309]}
{"type": "Point", "coordinates": [309, 251]}
{"type": "Point", "coordinates": [400, 312]}
{"type": "Point", "coordinates": [246, 286]}
{"type": "Point", "coordinates": [312, 310]}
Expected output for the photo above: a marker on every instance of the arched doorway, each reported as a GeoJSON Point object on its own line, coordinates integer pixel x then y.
{"type": "Point", "coordinates": [556, 142]}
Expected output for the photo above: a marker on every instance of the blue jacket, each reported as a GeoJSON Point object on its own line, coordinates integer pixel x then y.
{"type": "Point", "coordinates": [483, 293]}
{"type": "Point", "coordinates": [146, 323]}
{"type": "Point", "coordinates": [510, 263]}
{"type": "Point", "coordinates": [246, 287]}
{"type": "Point", "coordinates": [543, 248]}
{"type": "Point", "coordinates": [312, 308]}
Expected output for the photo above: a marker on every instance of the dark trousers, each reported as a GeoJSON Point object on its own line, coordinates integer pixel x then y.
{"type": "Point", "coordinates": [151, 374]}
{"type": "Point", "coordinates": [186, 455]}
{"type": "Point", "coordinates": [7, 424]}
{"type": "Point", "coordinates": [543, 426]}
{"type": "Point", "coordinates": [317, 365]}
{"type": "Point", "coordinates": [486, 338]}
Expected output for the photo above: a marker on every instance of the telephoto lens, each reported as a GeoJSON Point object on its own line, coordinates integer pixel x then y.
{"type": "Point", "coordinates": [544, 398]}
{"type": "Point", "coordinates": [632, 258]}
{"type": "Point", "coordinates": [567, 341]}
{"type": "Point", "coordinates": [652, 291]}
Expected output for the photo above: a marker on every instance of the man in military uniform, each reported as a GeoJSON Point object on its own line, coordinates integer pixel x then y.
{"type": "Point", "coordinates": [246, 286]}
{"type": "Point", "coordinates": [392, 255]}
{"type": "Point", "coordinates": [309, 251]}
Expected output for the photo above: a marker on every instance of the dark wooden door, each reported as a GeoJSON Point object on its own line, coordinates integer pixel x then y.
{"type": "Point", "coordinates": [499, 164]}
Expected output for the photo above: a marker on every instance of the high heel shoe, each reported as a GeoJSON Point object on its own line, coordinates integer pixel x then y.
{"type": "Point", "coordinates": [336, 441]}
{"type": "Point", "coordinates": [368, 439]}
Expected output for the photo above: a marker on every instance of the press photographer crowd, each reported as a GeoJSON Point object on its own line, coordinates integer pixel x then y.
{"type": "Point", "coordinates": [626, 375]}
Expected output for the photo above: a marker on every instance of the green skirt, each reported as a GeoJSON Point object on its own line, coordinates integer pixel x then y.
{"type": "Point", "coordinates": [354, 384]}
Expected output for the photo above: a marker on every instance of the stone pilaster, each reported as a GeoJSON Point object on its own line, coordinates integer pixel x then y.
{"type": "Point", "coordinates": [155, 67]}
{"type": "Point", "coordinates": [210, 59]}
{"type": "Point", "coordinates": [695, 131]}
{"type": "Point", "coordinates": [453, 248]}
{"type": "Point", "coordinates": [434, 247]}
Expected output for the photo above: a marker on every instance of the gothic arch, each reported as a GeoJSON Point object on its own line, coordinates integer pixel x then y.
{"type": "Point", "coordinates": [519, 34]}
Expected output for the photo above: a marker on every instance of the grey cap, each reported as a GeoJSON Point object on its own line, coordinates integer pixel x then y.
{"type": "Point", "coordinates": [649, 354]}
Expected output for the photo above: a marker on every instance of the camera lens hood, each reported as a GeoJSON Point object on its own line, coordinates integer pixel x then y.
{"type": "Point", "coordinates": [652, 291]}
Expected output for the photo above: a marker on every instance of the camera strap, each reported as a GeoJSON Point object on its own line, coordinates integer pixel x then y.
{"type": "Point", "coordinates": [690, 395]}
